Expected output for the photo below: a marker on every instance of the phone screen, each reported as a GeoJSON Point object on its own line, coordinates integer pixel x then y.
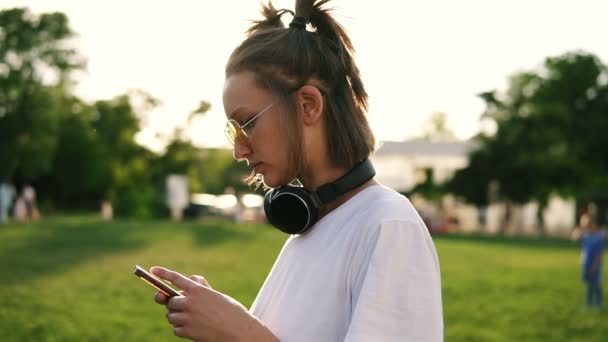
{"type": "Point", "coordinates": [155, 282]}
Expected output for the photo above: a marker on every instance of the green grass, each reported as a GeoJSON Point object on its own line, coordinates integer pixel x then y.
{"type": "Point", "coordinates": [508, 289]}
{"type": "Point", "coordinates": [69, 279]}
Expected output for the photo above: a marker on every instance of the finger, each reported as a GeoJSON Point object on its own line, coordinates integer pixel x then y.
{"type": "Point", "coordinates": [175, 278]}
{"type": "Point", "coordinates": [177, 319]}
{"type": "Point", "coordinates": [180, 332]}
{"type": "Point", "coordinates": [177, 304]}
{"type": "Point", "coordinates": [201, 280]}
{"type": "Point", "coordinates": [161, 298]}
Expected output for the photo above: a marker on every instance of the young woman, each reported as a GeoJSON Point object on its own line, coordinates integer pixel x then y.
{"type": "Point", "coordinates": [359, 264]}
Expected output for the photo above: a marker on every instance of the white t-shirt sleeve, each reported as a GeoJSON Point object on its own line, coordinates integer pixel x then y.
{"type": "Point", "coordinates": [398, 297]}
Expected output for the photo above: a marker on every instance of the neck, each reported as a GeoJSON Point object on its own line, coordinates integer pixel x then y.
{"type": "Point", "coordinates": [327, 208]}
{"type": "Point", "coordinates": [313, 180]}
{"type": "Point", "coordinates": [319, 173]}
{"type": "Point", "coordinates": [318, 170]}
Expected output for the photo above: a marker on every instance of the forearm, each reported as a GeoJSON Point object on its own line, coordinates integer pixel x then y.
{"type": "Point", "coordinates": [255, 330]}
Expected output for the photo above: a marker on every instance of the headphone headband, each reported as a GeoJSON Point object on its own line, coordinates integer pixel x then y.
{"type": "Point", "coordinates": [293, 209]}
{"type": "Point", "coordinates": [359, 174]}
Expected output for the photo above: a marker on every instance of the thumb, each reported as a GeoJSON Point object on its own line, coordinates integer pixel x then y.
{"type": "Point", "coordinates": [201, 280]}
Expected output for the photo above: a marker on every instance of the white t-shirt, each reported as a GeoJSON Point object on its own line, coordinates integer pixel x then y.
{"type": "Point", "coordinates": [368, 271]}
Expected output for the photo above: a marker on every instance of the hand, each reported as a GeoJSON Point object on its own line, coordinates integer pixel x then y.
{"type": "Point", "coordinates": [163, 299]}
{"type": "Point", "coordinates": [203, 314]}
{"type": "Point", "coordinates": [576, 234]}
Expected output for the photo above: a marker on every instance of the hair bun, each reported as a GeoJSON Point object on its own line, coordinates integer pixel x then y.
{"type": "Point", "coordinates": [298, 22]}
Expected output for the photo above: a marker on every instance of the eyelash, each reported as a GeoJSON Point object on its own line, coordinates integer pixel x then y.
{"type": "Point", "coordinates": [251, 124]}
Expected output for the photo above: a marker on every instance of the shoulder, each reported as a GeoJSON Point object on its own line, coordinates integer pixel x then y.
{"type": "Point", "coordinates": [379, 208]}
{"type": "Point", "coordinates": [382, 204]}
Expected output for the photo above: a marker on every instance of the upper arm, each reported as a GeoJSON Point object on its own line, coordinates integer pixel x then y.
{"type": "Point", "coordinates": [399, 295]}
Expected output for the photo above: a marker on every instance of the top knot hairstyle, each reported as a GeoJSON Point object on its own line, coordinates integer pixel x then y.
{"type": "Point", "coordinates": [314, 49]}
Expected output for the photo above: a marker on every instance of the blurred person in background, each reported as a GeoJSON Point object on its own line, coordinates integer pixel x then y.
{"type": "Point", "coordinates": [20, 210]}
{"type": "Point", "coordinates": [28, 195]}
{"type": "Point", "coordinates": [7, 193]}
{"type": "Point", "coordinates": [107, 212]}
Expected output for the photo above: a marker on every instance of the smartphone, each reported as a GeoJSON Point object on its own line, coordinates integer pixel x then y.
{"type": "Point", "coordinates": [155, 282]}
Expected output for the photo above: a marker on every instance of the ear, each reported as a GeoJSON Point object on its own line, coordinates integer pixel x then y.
{"type": "Point", "coordinates": [310, 104]}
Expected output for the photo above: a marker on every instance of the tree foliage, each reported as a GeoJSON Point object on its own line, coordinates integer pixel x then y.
{"type": "Point", "coordinates": [437, 128]}
{"type": "Point", "coordinates": [35, 68]}
{"type": "Point", "coordinates": [78, 153]}
{"type": "Point", "coordinates": [551, 134]}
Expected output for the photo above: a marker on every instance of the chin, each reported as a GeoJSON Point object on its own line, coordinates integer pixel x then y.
{"type": "Point", "coordinates": [268, 182]}
{"type": "Point", "coordinates": [273, 181]}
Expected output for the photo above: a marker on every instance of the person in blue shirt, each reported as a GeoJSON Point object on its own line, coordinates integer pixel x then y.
{"type": "Point", "coordinates": [593, 243]}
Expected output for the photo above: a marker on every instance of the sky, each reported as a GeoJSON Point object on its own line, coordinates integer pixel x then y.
{"type": "Point", "coordinates": [415, 57]}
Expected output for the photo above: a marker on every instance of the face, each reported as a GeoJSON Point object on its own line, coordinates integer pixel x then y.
{"type": "Point", "coordinates": [265, 148]}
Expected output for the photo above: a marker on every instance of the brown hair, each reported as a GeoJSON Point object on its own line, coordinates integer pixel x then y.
{"type": "Point", "coordinates": [286, 58]}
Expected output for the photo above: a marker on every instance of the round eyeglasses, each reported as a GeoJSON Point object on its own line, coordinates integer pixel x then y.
{"type": "Point", "coordinates": [237, 133]}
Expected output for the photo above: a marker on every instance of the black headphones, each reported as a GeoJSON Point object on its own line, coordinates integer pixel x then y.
{"type": "Point", "coordinates": [293, 209]}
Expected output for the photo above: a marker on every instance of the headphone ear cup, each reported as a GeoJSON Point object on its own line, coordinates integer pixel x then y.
{"type": "Point", "coordinates": [290, 209]}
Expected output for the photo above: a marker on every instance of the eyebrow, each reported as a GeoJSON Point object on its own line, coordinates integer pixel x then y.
{"type": "Point", "coordinates": [239, 111]}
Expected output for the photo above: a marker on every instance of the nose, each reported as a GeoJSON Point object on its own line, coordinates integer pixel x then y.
{"type": "Point", "coordinates": [241, 150]}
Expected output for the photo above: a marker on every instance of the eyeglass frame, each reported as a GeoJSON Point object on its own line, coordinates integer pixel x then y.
{"type": "Point", "coordinates": [242, 127]}
{"type": "Point", "coordinates": [250, 121]}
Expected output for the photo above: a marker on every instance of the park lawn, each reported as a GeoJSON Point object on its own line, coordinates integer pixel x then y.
{"type": "Point", "coordinates": [69, 278]}
{"type": "Point", "coordinates": [515, 289]}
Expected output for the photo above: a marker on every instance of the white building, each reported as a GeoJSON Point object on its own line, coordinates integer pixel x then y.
{"type": "Point", "coordinates": [402, 165]}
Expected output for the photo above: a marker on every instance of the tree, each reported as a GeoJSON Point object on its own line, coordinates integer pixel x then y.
{"type": "Point", "coordinates": [436, 128]}
{"type": "Point", "coordinates": [35, 67]}
{"type": "Point", "coordinates": [133, 188]}
{"type": "Point", "coordinates": [208, 170]}
{"type": "Point", "coordinates": [551, 131]}
{"type": "Point", "coordinates": [81, 171]}
{"type": "Point", "coordinates": [78, 153]}
{"type": "Point", "coordinates": [473, 182]}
